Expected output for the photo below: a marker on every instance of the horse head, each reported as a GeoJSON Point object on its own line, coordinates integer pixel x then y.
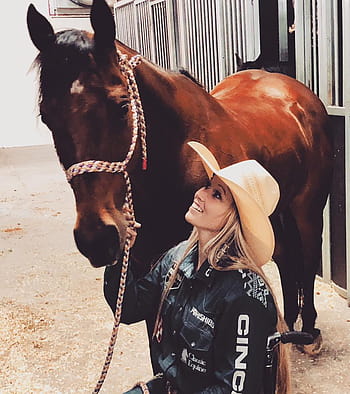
{"type": "Point", "coordinates": [84, 101]}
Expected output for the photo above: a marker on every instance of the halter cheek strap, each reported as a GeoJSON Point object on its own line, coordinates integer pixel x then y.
{"type": "Point", "coordinates": [138, 127]}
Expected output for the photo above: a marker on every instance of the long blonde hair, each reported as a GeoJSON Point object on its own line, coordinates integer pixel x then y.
{"type": "Point", "coordinates": [230, 243]}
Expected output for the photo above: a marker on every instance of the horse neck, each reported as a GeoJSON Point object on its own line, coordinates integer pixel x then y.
{"type": "Point", "coordinates": [172, 102]}
{"type": "Point", "coordinates": [170, 91]}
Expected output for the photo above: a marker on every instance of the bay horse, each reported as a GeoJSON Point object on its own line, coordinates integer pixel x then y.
{"type": "Point", "coordinates": [85, 102]}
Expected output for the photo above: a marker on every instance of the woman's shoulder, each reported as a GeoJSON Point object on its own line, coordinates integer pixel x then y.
{"type": "Point", "coordinates": [247, 283]}
{"type": "Point", "coordinates": [173, 255]}
{"type": "Point", "coordinates": [177, 251]}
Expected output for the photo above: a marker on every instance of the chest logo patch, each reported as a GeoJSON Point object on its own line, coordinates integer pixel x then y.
{"type": "Point", "coordinates": [205, 319]}
{"type": "Point", "coordinates": [196, 364]}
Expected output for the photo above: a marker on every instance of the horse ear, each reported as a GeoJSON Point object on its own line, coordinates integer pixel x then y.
{"type": "Point", "coordinates": [40, 29]}
{"type": "Point", "coordinates": [102, 21]}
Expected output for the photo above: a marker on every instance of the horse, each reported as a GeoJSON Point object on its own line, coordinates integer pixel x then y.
{"type": "Point", "coordinates": [86, 101]}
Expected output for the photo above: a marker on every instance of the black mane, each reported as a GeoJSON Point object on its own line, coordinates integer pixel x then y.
{"type": "Point", "coordinates": [190, 76]}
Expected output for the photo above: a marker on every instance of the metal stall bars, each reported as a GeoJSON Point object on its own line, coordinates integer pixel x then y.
{"type": "Point", "coordinates": [212, 32]}
{"type": "Point", "coordinates": [322, 56]}
{"type": "Point", "coordinates": [126, 24]}
{"type": "Point", "coordinates": [143, 25]}
{"type": "Point", "coordinates": [203, 36]}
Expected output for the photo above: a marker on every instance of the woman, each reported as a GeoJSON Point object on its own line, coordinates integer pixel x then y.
{"type": "Point", "coordinates": [213, 309]}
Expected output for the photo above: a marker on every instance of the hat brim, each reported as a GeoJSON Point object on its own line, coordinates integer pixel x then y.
{"type": "Point", "coordinates": [256, 226]}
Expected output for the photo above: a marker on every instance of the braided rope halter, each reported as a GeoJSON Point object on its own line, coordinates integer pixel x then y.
{"type": "Point", "coordinates": [138, 128]}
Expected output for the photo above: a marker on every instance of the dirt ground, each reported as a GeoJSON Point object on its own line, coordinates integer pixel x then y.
{"type": "Point", "coordinates": [55, 325]}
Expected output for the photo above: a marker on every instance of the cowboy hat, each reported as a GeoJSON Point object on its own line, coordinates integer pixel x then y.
{"type": "Point", "coordinates": [256, 194]}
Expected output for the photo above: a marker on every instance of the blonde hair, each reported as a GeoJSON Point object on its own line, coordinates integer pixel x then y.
{"type": "Point", "coordinates": [230, 243]}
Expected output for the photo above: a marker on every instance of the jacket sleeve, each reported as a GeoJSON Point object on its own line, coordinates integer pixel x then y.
{"type": "Point", "coordinates": [240, 347]}
{"type": "Point", "coordinates": [141, 297]}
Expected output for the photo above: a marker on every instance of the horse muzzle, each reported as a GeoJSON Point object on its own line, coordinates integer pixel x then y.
{"type": "Point", "coordinates": [101, 245]}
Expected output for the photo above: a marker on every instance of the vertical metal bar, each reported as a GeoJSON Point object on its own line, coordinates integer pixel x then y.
{"type": "Point", "coordinates": [300, 38]}
{"type": "Point", "coordinates": [220, 39]}
{"type": "Point", "coordinates": [171, 30]}
{"type": "Point", "coordinates": [136, 28]}
{"type": "Point", "coordinates": [308, 45]}
{"type": "Point", "coordinates": [209, 76]}
{"type": "Point", "coordinates": [326, 242]}
{"type": "Point", "coordinates": [346, 90]}
{"type": "Point", "coordinates": [235, 33]}
{"type": "Point", "coordinates": [249, 30]}
{"type": "Point", "coordinates": [183, 52]}
{"type": "Point", "coordinates": [335, 54]}
{"type": "Point", "coordinates": [191, 38]}
{"type": "Point", "coordinates": [283, 30]}
{"type": "Point", "coordinates": [347, 201]}
{"type": "Point", "coordinates": [324, 39]}
{"type": "Point", "coordinates": [201, 43]}
{"type": "Point", "coordinates": [213, 45]}
{"type": "Point", "coordinates": [315, 40]}
{"type": "Point", "coordinates": [152, 35]}
{"type": "Point", "coordinates": [239, 30]}
{"type": "Point", "coordinates": [256, 28]}
{"type": "Point", "coordinates": [227, 23]}
{"type": "Point", "coordinates": [243, 31]}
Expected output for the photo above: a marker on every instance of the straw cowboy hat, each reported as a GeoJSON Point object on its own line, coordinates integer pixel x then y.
{"type": "Point", "coordinates": [256, 194]}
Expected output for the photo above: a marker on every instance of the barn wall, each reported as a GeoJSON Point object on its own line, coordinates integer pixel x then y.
{"type": "Point", "coordinates": [20, 125]}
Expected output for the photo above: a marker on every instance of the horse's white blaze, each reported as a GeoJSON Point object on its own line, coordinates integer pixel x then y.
{"type": "Point", "coordinates": [77, 87]}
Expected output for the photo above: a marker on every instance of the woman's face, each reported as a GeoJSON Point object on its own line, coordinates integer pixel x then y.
{"type": "Point", "coordinates": [210, 207]}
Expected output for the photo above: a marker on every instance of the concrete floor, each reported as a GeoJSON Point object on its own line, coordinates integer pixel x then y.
{"type": "Point", "coordinates": [55, 325]}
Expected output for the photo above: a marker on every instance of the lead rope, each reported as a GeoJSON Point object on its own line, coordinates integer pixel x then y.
{"type": "Point", "coordinates": [138, 128]}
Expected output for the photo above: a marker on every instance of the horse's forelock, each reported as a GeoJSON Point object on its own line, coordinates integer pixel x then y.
{"type": "Point", "coordinates": [77, 39]}
{"type": "Point", "coordinates": [61, 63]}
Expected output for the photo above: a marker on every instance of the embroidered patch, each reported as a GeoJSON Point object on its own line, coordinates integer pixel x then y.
{"type": "Point", "coordinates": [196, 364]}
{"type": "Point", "coordinates": [200, 316]}
{"type": "Point", "coordinates": [255, 286]}
{"type": "Point", "coordinates": [178, 279]}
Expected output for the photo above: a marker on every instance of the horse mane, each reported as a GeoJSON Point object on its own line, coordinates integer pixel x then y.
{"type": "Point", "coordinates": [190, 76]}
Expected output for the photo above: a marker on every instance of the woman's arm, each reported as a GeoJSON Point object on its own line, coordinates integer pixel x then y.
{"type": "Point", "coordinates": [141, 296]}
{"type": "Point", "coordinates": [240, 347]}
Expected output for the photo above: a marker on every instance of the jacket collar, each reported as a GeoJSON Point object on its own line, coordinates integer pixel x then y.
{"type": "Point", "coordinates": [188, 267]}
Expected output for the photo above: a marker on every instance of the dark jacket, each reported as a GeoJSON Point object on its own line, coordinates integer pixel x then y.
{"type": "Point", "coordinates": [214, 323]}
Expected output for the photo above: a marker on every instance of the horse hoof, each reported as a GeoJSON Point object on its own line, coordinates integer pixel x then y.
{"type": "Point", "coordinates": [314, 348]}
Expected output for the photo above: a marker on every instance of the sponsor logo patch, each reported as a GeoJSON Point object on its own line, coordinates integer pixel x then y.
{"type": "Point", "coordinates": [200, 316]}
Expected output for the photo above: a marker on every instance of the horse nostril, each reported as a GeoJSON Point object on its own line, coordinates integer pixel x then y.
{"type": "Point", "coordinates": [100, 246]}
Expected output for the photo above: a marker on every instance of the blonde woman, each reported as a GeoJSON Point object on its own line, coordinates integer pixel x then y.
{"type": "Point", "coordinates": [212, 305]}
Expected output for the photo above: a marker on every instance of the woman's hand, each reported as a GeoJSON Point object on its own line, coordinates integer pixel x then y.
{"type": "Point", "coordinates": [132, 233]}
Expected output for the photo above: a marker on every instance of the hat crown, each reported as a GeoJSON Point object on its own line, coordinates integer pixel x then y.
{"type": "Point", "coordinates": [256, 181]}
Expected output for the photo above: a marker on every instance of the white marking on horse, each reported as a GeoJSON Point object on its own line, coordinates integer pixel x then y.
{"type": "Point", "coordinates": [77, 87]}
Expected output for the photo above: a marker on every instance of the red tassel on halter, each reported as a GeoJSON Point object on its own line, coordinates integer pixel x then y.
{"type": "Point", "coordinates": [144, 164]}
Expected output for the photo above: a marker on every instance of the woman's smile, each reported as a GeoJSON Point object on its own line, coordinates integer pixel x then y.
{"type": "Point", "coordinates": [195, 205]}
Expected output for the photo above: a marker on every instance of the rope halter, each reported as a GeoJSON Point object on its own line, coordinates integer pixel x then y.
{"type": "Point", "coordinates": [138, 128]}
